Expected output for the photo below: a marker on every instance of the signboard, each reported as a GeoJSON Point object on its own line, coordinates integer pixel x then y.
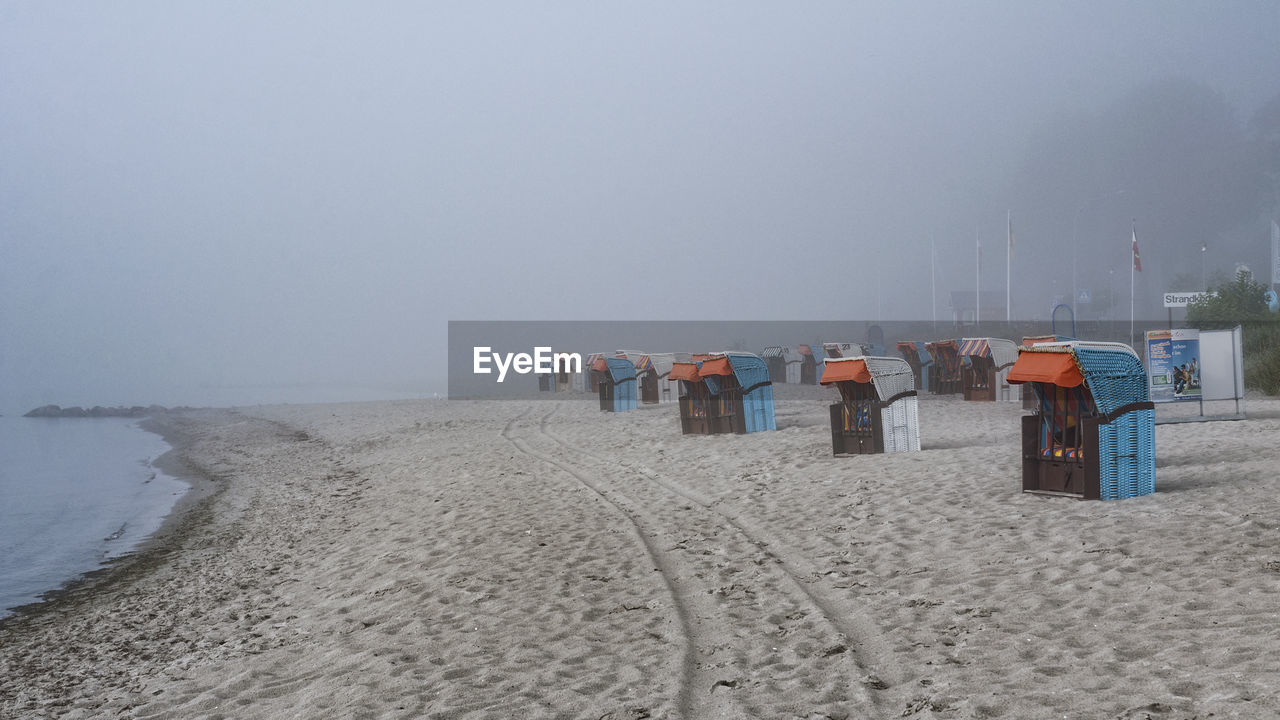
{"type": "Point", "coordinates": [1183, 299]}
{"type": "Point", "coordinates": [1222, 359]}
{"type": "Point", "coordinates": [1173, 364]}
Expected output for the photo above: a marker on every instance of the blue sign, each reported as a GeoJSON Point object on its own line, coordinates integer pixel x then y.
{"type": "Point", "coordinates": [1173, 364]}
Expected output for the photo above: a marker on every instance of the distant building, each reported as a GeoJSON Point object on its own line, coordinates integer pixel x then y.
{"type": "Point", "coordinates": [964, 307]}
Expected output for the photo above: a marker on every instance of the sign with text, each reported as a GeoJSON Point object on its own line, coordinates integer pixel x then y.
{"type": "Point", "coordinates": [1183, 299]}
{"type": "Point", "coordinates": [1173, 364]}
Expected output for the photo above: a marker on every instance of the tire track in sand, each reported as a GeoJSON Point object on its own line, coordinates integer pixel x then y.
{"type": "Point", "coordinates": [871, 650]}
{"type": "Point", "coordinates": [692, 614]}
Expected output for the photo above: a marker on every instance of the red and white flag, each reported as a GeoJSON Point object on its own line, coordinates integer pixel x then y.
{"type": "Point", "coordinates": [1137, 259]}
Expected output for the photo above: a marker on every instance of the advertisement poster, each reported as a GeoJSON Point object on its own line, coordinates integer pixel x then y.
{"type": "Point", "coordinates": [1173, 364]}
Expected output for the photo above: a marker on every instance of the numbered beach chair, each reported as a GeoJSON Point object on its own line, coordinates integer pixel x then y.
{"type": "Point", "coordinates": [985, 375]}
{"type": "Point", "coordinates": [839, 350]}
{"type": "Point", "coordinates": [1092, 435]}
{"type": "Point", "coordinates": [917, 356]}
{"type": "Point", "coordinates": [878, 409]}
{"type": "Point", "coordinates": [784, 364]}
{"type": "Point", "coordinates": [617, 384]}
{"type": "Point", "coordinates": [844, 349]}
{"type": "Point", "coordinates": [741, 393]}
{"type": "Point", "coordinates": [945, 380]}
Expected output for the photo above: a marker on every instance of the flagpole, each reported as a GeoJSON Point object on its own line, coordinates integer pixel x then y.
{"type": "Point", "coordinates": [977, 284]}
{"type": "Point", "coordinates": [1132, 266]}
{"type": "Point", "coordinates": [1008, 265]}
{"type": "Point", "coordinates": [878, 275]}
{"type": "Point", "coordinates": [933, 283]}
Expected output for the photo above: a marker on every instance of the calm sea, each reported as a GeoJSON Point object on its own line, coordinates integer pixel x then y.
{"type": "Point", "coordinates": [74, 492]}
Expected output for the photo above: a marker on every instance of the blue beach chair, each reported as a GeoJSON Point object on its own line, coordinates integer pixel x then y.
{"type": "Point", "coordinates": [1092, 435]}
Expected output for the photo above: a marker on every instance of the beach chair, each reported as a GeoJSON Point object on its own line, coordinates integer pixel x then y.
{"type": "Point", "coordinates": [741, 393]}
{"type": "Point", "coordinates": [594, 371]}
{"type": "Point", "coordinates": [844, 349]}
{"type": "Point", "coordinates": [878, 409]}
{"type": "Point", "coordinates": [794, 363]}
{"type": "Point", "coordinates": [1092, 435]}
{"type": "Point", "coordinates": [617, 384]}
{"type": "Point", "coordinates": [660, 367]}
{"type": "Point", "coordinates": [839, 350]}
{"type": "Point", "coordinates": [776, 358]}
{"type": "Point", "coordinates": [917, 356]}
{"type": "Point", "coordinates": [562, 378]}
{"type": "Point", "coordinates": [653, 372]}
{"type": "Point", "coordinates": [810, 365]}
{"type": "Point", "coordinates": [694, 400]}
{"type": "Point", "coordinates": [984, 376]}
{"type": "Point", "coordinates": [945, 380]}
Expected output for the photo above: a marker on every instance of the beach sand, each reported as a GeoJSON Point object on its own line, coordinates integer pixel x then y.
{"type": "Point", "coordinates": [543, 559]}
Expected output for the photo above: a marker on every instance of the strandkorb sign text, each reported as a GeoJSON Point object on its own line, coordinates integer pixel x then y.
{"type": "Point", "coordinates": [1183, 299]}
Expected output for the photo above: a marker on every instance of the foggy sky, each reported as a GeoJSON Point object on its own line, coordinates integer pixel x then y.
{"type": "Point", "coordinates": [239, 202]}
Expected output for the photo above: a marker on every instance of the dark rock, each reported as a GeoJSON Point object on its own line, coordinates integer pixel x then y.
{"type": "Point", "coordinates": [97, 411]}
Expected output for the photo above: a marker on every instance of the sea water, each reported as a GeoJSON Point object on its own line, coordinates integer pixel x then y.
{"type": "Point", "coordinates": [74, 493]}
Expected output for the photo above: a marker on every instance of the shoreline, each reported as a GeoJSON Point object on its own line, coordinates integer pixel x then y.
{"type": "Point", "coordinates": [201, 490]}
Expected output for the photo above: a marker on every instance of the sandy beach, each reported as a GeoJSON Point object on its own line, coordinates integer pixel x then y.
{"type": "Point", "coordinates": [434, 559]}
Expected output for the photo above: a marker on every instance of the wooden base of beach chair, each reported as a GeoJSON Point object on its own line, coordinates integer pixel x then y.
{"type": "Point", "coordinates": [691, 423]}
{"type": "Point", "coordinates": [980, 382]}
{"type": "Point", "coordinates": [726, 425]}
{"type": "Point", "coordinates": [695, 426]}
{"type": "Point", "coordinates": [1078, 478]}
{"type": "Point", "coordinates": [855, 442]}
{"type": "Point", "coordinates": [649, 388]}
{"type": "Point", "coordinates": [980, 393]}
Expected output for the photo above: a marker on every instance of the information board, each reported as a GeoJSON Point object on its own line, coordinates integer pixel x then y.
{"type": "Point", "coordinates": [1173, 364]}
{"type": "Point", "coordinates": [1222, 358]}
